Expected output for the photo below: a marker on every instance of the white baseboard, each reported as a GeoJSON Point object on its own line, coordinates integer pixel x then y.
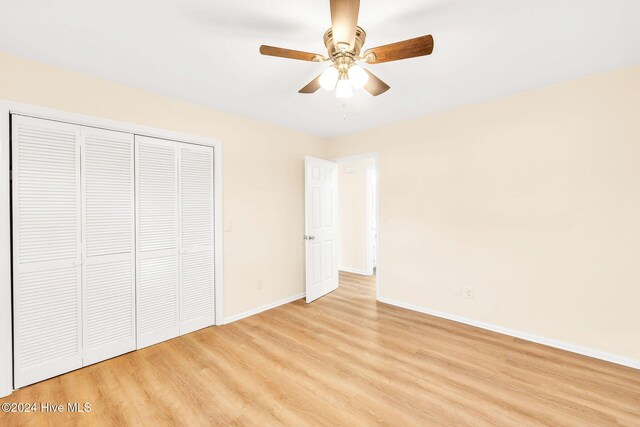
{"type": "Point", "coordinates": [263, 308]}
{"type": "Point", "coordinates": [597, 354]}
{"type": "Point", "coordinates": [354, 271]}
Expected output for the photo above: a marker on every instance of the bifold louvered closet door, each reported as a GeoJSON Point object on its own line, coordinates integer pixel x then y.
{"type": "Point", "coordinates": [157, 240]}
{"type": "Point", "coordinates": [196, 237]}
{"type": "Point", "coordinates": [46, 249]}
{"type": "Point", "coordinates": [73, 231]}
{"type": "Point", "coordinates": [111, 251]}
{"type": "Point", "coordinates": [175, 279]}
{"type": "Point", "coordinates": [108, 270]}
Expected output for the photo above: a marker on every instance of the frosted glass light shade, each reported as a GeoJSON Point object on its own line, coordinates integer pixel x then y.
{"type": "Point", "coordinates": [329, 78]}
{"type": "Point", "coordinates": [358, 76]}
{"type": "Point", "coordinates": [344, 89]}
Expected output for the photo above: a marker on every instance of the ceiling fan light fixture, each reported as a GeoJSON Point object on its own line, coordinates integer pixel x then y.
{"type": "Point", "coordinates": [329, 78]}
{"type": "Point", "coordinates": [344, 88]}
{"type": "Point", "coordinates": [344, 41]}
{"type": "Point", "coordinates": [358, 76]}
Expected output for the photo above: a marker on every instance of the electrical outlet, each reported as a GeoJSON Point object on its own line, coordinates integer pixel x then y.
{"type": "Point", "coordinates": [468, 292]}
{"type": "Point", "coordinates": [259, 285]}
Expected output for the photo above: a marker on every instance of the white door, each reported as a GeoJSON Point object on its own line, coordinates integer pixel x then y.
{"type": "Point", "coordinates": [196, 237]}
{"type": "Point", "coordinates": [108, 269]}
{"type": "Point", "coordinates": [46, 249]}
{"type": "Point", "coordinates": [321, 208]}
{"type": "Point", "coordinates": [157, 296]}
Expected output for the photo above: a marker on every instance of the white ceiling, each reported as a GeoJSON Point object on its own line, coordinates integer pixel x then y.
{"type": "Point", "coordinates": [206, 51]}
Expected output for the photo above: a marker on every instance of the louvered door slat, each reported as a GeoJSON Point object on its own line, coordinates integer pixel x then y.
{"type": "Point", "coordinates": [157, 240]}
{"type": "Point", "coordinates": [196, 237]}
{"type": "Point", "coordinates": [109, 267]}
{"type": "Point", "coordinates": [46, 239]}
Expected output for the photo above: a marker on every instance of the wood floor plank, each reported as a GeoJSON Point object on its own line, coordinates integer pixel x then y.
{"type": "Point", "coordinates": [345, 359]}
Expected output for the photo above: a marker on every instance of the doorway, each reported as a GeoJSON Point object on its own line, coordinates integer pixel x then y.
{"type": "Point", "coordinates": [358, 254]}
{"type": "Point", "coordinates": [342, 227]}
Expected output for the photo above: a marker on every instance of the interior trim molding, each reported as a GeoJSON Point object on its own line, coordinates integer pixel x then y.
{"type": "Point", "coordinates": [596, 354]}
{"type": "Point", "coordinates": [262, 308]}
{"type": "Point", "coordinates": [354, 271]}
{"type": "Point", "coordinates": [6, 318]}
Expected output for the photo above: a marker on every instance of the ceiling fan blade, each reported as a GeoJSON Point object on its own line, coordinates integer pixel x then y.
{"type": "Point", "coordinates": [420, 46]}
{"type": "Point", "coordinates": [312, 87]}
{"type": "Point", "coordinates": [344, 20]}
{"type": "Point", "coordinates": [291, 54]}
{"type": "Point", "coordinates": [374, 85]}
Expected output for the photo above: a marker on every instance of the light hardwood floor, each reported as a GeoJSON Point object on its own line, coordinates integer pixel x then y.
{"type": "Point", "coordinates": [343, 360]}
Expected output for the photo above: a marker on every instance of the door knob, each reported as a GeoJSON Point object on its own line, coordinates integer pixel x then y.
{"type": "Point", "coordinates": [309, 237]}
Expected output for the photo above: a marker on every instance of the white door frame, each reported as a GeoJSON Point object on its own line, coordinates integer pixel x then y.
{"type": "Point", "coordinates": [365, 156]}
{"type": "Point", "coordinates": [371, 239]}
{"type": "Point", "coordinates": [6, 109]}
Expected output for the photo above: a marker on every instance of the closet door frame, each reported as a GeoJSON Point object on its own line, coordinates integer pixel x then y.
{"type": "Point", "coordinates": [7, 108]}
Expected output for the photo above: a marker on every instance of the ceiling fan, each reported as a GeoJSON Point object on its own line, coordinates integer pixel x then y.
{"type": "Point", "coordinates": [344, 41]}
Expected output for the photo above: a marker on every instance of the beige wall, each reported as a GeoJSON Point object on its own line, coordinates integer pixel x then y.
{"type": "Point", "coordinates": [352, 214]}
{"type": "Point", "coordinates": [533, 200]}
{"type": "Point", "coordinates": [263, 171]}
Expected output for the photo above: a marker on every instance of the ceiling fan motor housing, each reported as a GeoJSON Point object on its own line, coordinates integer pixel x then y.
{"type": "Point", "coordinates": [336, 52]}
